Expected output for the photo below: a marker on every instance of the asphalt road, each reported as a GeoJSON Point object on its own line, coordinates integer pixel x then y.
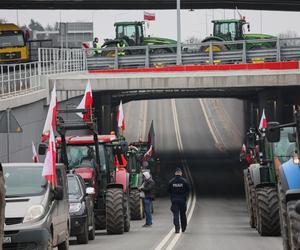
{"type": "Point", "coordinates": [206, 138]}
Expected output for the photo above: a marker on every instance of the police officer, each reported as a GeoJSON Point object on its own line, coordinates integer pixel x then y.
{"type": "Point", "coordinates": [179, 189]}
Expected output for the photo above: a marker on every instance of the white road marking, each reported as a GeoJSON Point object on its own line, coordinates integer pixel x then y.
{"type": "Point", "coordinates": [192, 198]}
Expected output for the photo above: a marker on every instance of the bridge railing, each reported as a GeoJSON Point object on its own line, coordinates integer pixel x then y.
{"type": "Point", "coordinates": [18, 79]}
{"type": "Point", "coordinates": [21, 78]}
{"type": "Point", "coordinates": [229, 52]}
{"type": "Point", "coordinates": [56, 60]}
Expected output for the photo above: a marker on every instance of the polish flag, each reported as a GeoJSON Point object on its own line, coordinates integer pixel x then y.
{"type": "Point", "coordinates": [243, 149]}
{"type": "Point", "coordinates": [35, 157]}
{"type": "Point", "coordinates": [149, 16]}
{"type": "Point", "coordinates": [51, 116]}
{"type": "Point", "coordinates": [86, 102]}
{"type": "Point", "coordinates": [49, 168]}
{"type": "Point", "coordinates": [148, 153]}
{"type": "Point", "coordinates": [263, 121]}
{"type": "Point", "coordinates": [120, 117]}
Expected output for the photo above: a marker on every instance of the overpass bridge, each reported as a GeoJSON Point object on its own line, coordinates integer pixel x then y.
{"type": "Point", "coordinates": [270, 85]}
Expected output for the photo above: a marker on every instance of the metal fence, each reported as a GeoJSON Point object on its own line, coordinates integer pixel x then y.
{"type": "Point", "coordinates": [231, 52]}
{"type": "Point", "coordinates": [55, 60]}
{"type": "Point", "coordinates": [18, 79]}
{"type": "Point", "coordinates": [21, 78]}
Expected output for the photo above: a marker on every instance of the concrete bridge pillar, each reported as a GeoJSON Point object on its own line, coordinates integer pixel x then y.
{"type": "Point", "coordinates": [102, 104]}
{"type": "Point", "coordinates": [273, 103]}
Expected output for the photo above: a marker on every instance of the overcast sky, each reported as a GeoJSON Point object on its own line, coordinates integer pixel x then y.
{"type": "Point", "coordinates": [194, 23]}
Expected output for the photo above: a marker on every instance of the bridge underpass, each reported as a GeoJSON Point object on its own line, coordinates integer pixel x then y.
{"type": "Point", "coordinates": [204, 135]}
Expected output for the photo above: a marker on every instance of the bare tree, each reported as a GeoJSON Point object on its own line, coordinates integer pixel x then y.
{"type": "Point", "coordinates": [290, 34]}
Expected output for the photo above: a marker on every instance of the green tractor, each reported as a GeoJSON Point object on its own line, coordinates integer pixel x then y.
{"type": "Point", "coordinates": [134, 169]}
{"type": "Point", "coordinates": [234, 30]}
{"type": "Point", "coordinates": [261, 182]}
{"type": "Point", "coordinates": [132, 34]}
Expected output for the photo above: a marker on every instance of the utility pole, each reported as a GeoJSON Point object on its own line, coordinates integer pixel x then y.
{"type": "Point", "coordinates": [178, 60]}
{"type": "Point", "coordinates": [261, 24]}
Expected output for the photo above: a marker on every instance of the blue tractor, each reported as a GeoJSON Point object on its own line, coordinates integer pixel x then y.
{"type": "Point", "coordinates": [289, 183]}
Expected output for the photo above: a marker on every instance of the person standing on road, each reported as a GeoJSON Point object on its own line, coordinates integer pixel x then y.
{"type": "Point", "coordinates": [147, 188]}
{"type": "Point", "coordinates": [179, 190]}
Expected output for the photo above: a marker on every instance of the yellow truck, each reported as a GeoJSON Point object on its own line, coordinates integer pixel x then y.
{"type": "Point", "coordinates": [13, 44]}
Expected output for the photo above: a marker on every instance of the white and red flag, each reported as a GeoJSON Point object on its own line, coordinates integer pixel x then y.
{"type": "Point", "coordinates": [86, 102]}
{"type": "Point", "coordinates": [49, 168]}
{"type": "Point", "coordinates": [148, 154]}
{"type": "Point", "coordinates": [121, 117]}
{"type": "Point", "coordinates": [263, 121]}
{"type": "Point", "coordinates": [243, 149]}
{"type": "Point", "coordinates": [51, 116]}
{"type": "Point", "coordinates": [35, 157]}
{"type": "Point", "coordinates": [149, 16]}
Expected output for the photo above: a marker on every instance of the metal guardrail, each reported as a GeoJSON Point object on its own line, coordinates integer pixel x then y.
{"type": "Point", "coordinates": [55, 60]}
{"type": "Point", "coordinates": [21, 78]}
{"type": "Point", "coordinates": [230, 52]}
{"type": "Point", "coordinates": [18, 79]}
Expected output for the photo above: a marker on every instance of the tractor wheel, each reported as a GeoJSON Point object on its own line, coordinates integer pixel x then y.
{"type": "Point", "coordinates": [252, 201]}
{"type": "Point", "coordinates": [84, 237]}
{"type": "Point", "coordinates": [268, 223]}
{"type": "Point", "coordinates": [126, 213]}
{"type": "Point", "coordinates": [283, 218]}
{"type": "Point", "coordinates": [293, 225]}
{"type": "Point", "coordinates": [215, 48]}
{"type": "Point", "coordinates": [114, 211]}
{"type": "Point", "coordinates": [136, 205]}
{"type": "Point", "coordinates": [249, 201]}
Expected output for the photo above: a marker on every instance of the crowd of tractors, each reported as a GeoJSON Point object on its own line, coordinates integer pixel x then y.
{"type": "Point", "coordinates": [109, 164]}
{"type": "Point", "coordinates": [131, 34]}
{"type": "Point", "coordinates": [272, 180]}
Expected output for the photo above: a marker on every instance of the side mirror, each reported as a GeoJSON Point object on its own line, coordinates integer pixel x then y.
{"type": "Point", "coordinates": [248, 27]}
{"type": "Point", "coordinates": [292, 137]}
{"type": "Point", "coordinates": [58, 193]}
{"type": "Point", "coordinates": [273, 132]}
{"type": "Point", "coordinates": [90, 190]}
{"type": "Point", "coordinates": [42, 149]}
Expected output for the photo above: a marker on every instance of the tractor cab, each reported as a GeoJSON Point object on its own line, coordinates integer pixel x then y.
{"type": "Point", "coordinates": [230, 30]}
{"type": "Point", "coordinates": [131, 32]}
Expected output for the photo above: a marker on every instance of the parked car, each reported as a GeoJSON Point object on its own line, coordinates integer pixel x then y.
{"type": "Point", "coordinates": [81, 209]}
{"type": "Point", "coordinates": [36, 215]}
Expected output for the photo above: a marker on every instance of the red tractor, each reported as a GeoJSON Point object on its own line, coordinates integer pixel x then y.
{"type": "Point", "coordinates": [93, 158]}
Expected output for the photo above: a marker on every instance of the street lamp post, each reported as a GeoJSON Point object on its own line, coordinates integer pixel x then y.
{"type": "Point", "coordinates": [179, 58]}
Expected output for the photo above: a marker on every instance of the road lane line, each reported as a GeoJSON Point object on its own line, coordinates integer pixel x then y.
{"type": "Point", "coordinates": [192, 197]}
{"type": "Point", "coordinates": [208, 122]}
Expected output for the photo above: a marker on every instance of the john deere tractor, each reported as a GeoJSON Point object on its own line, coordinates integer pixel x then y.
{"type": "Point", "coordinates": [234, 30]}
{"type": "Point", "coordinates": [132, 34]}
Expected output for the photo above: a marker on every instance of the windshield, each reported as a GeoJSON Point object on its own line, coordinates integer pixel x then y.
{"type": "Point", "coordinates": [126, 31]}
{"type": "Point", "coordinates": [73, 186]}
{"type": "Point", "coordinates": [11, 39]}
{"type": "Point", "coordinates": [81, 156]}
{"type": "Point", "coordinates": [284, 149]}
{"type": "Point", "coordinates": [225, 30]}
{"type": "Point", "coordinates": [24, 181]}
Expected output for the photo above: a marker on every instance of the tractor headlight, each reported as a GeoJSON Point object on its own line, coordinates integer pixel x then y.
{"type": "Point", "coordinates": [34, 212]}
{"type": "Point", "coordinates": [77, 208]}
